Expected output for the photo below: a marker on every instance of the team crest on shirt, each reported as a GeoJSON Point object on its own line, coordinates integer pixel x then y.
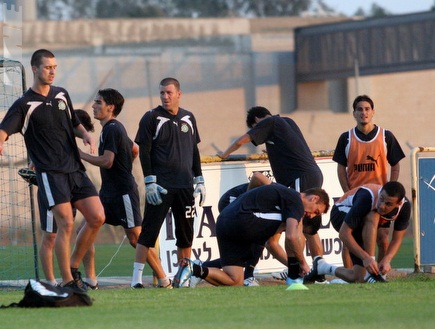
{"type": "Point", "coordinates": [62, 105]}
{"type": "Point", "coordinates": [184, 127]}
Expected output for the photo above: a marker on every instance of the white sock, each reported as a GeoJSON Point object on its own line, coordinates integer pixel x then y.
{"type": "Point", "coordinates": [137, 273]}
{"type": "Point", "coordinates": [52, 283]}
{"type": "Point", "coordinates": [367, 275]}
{"type": "Point", "coordinates": [91, 281]}
{"type": "Point", "coordinates": [324, 268]}
{"type": "Point", "coordinates": [164, 282]}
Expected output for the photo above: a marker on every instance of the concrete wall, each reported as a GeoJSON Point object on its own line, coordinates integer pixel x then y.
{"type": "Point", "coordinates": [225, 66]}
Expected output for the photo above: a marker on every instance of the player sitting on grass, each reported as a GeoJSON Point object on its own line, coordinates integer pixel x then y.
{"type": "Point", "coordinates": [357, 216]}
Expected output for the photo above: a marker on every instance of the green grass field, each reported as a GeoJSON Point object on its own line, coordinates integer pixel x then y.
{"type": "Point", "coordinates": [404, 302]}
{"type": "Point", "coordinates": [122, 263]}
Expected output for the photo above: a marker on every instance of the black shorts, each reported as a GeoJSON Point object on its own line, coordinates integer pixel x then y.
{"type": "Point", "coordinates": [236, 248]}
{"type": "Point", "coordinates": [123, 210]}
{"type": "Point", "coordinates": [56, 188]}
{"type": "Point", "coordinates": [307, 181]}
{"type": "Point", "coordinates": [182, 205]}
{"type": "Point", "coordinates": [337, 217]}
{"type": "Point", "coordinates": [46, 218]}
{"type": "Point", "coordinates": [235, 253]}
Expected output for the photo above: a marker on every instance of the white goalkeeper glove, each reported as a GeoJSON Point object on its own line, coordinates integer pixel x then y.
{"type": "Point", "coordinates": [153, 190]}
{"type": "Point", "coordinates": [199, 189]}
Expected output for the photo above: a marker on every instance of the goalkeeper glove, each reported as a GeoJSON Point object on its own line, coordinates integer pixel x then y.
{"type": "Point", "coordinates": [153, 190]}
{"type": "Point", "coordinates": [199, 189]}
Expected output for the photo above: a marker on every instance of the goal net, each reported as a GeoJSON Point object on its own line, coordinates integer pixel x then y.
{"type": "Point", "coordinates": [18, 257]}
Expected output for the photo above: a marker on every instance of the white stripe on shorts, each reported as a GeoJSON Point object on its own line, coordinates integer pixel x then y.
{"type": "Point", "coordinates": [49, 221]}
{"type": "Point", "coordinates": [47, 189]}
{"type": "Point", "coordinates": [128, 210]}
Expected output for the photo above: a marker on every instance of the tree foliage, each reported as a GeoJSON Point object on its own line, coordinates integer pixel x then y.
{"type": "Point", "coordinates": [273, 8]}
{"type": "Point", "coordinates": [128, 8]}
{"type": "Point", "coordinates": [200, 8]}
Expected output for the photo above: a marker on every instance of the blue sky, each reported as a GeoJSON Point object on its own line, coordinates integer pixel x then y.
{"type": "Point", "coordinates": [396, 7]}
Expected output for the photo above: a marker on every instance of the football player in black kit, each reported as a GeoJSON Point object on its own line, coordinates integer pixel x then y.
{"type": "Point", "coordinates": [171, 165]}
{"type": "Point", "coordinates": [46, 118]}
{"type": "Point", "coordinates": [290, 158]}
{"type": "Point", "coordinates": [253, 218]}
{"type": "Point", "coordinates": [119, 193]}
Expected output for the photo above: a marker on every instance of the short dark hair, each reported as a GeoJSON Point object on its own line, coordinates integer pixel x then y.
{"type": "Point", "coordinates": [256, 112]}
{"type": "Point", "coordinates": [37, 56]}
{"type": "Point", "coordinates": [321, 193]}
{"type": "Point", "coordinates": [363, 98]}
{"type": "Point", "coordinates": [394, 189]}
{"type": "Point", "coordinates": [170, 81]}
{"type": "Point", "coordinates": [85, 119]}
{"type": "Point", "coordinates": [112, 97]}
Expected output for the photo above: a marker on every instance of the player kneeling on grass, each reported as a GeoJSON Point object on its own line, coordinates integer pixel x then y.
{"type": "Point", "coordinates": [357, 216]}
{"type": "Point", "coordinates": [253, 218]}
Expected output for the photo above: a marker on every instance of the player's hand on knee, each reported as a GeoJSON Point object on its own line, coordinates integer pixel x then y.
{"type": "Point", "coordinates": [199, 189]}
{"type": "Point", "coordinates": [153, 191]}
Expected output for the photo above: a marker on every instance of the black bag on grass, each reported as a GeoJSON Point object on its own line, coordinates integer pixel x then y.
{"type": "Point", "coordinates": [40, 294]}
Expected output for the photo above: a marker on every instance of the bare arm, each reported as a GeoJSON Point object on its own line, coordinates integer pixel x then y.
{"type": "Point", "coordinates": [135, 151]}
{"type": "Point", "coordinates": [293, 244]}
{"type": "Point", "coordinates": [274, 247]}
{"type": "Point", "coordinates": [394, 172]}
{"type": "Point", "coordinates": [103, 161]}
{"type": "Point", "coordinates": [393, 248]}
{"type": "Point", "coordinates": [258, 179]}
{"type": "Point", "coordinates": [342, 177]}
{"type": "Point", "coordinates": [242, 140]}
{"type": "Point", "coordinates": [346, 236]}
{"type": "Point", "coordinates": [3, 137]}
{"type": "Point", "coordinates": [314, 244]}
{"type": "Point", "coordinates": [81, 132]}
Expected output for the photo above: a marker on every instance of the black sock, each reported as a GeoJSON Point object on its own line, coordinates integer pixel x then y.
{"type": "Point", "coordinates": [293, 268]}
{"type": "Point", "coordinates": [200, 271]}
{"type": "Point", "coordinates": [213, 263]}
{"type": "Point", "coordinates": [249, 271]}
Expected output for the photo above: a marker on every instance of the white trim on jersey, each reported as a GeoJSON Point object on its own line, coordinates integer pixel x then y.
{"type": "Point", "coordinates": [269, 216]}
{"type": "Point", "coordinates": [162, 121]}
{"type": "Point", "coordinates": [298, 184]}
{"type": "Point", "coordinates": [32, 107]}
{"type": "Point", "coordinates": [186, 119]}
